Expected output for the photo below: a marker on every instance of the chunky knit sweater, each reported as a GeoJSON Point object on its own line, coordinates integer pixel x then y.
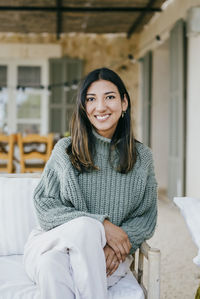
{"type": "Point", "coordinates": [127, 200]}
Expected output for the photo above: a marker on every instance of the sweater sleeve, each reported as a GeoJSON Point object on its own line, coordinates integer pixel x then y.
{"type": "Point", "coordinates": [54, 209]}
{"type": "Point", "coordinates": [141, 224]}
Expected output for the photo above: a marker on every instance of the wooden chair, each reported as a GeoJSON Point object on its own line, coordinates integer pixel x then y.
{"type": "Point", "coordinates": [32, 159]}
{"type": "Point", "coordinates": [7, 143]}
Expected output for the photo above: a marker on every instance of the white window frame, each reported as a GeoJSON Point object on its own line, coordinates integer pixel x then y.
{"type": "Point", "coordinates": [12, 65]}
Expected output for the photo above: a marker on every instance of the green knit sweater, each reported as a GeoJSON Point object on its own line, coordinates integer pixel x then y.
{"type": "Point", "coordinates": [127, 200]}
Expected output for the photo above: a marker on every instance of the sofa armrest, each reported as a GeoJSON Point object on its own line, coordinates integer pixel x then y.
{"type": "Point", "coordinates": [152, 255]}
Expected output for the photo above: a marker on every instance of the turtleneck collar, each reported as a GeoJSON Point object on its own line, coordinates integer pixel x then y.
{"type": "Point", "coordinates": [103, 139]}
{"type": "Point", "coordinates": [102, 143]}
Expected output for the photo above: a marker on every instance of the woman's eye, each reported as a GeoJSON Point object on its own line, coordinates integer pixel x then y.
{"type": "Point", "coordinates": [110, 97]}
{"type": "Point", "coordinates": [90, 99]}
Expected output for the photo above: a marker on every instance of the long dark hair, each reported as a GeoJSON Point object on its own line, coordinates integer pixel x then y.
{"type": "Point", "coordinates": [81, 149]}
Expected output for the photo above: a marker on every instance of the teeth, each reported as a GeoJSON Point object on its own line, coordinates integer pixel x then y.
{"type": "Point", "coordinates": [102, 117]}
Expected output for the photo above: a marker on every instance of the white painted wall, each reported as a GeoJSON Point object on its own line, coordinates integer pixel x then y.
{"type": "Point", "coordinates": [162, 23]}
{"type": "Point", "coordinates": [160, 114]}
{"type": "Point", "coordinates": [193, 118]}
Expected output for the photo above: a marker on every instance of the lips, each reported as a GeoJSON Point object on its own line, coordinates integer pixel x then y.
{"type": "Point", "coordinates": [102, 117]}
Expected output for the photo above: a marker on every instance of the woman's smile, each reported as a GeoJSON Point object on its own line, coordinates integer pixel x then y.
{"type": "Point", "coordinates": [102, 117]}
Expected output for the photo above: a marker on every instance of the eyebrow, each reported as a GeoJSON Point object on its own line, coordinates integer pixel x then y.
{"type": "Point", "coordinates": [93, 94]}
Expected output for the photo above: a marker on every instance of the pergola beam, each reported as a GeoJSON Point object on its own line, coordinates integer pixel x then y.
{"type": "Point", "coordinates": [59, 17]}
{"type": "Point", "coordinates": [139, 19]}
{"type": "Point", "coordinates": [80, 9]}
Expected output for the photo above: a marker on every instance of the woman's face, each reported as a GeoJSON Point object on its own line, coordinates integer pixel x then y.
{"type": "Point", "coordinates": [104, 107]}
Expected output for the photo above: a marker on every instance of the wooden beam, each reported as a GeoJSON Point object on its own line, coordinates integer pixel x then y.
{"type": "Point", "coordinates": [139, 19]}
{"type": "Point", "coordinates": [59, 18]}
{"type": "Point", "coordinates": [80, 9]}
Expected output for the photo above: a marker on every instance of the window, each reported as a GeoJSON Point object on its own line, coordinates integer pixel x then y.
{"type": "Point", "coordinates": [28, 100]}
{"type": "Point", "coordinates": [64, 74]}
{"type": "Point", "coordinates": [23, 98]}
{"type": "Point", "coordinates": [25, 102]}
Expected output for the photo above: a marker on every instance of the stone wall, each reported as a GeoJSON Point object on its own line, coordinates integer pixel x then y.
{"type": "Point", "coordinates": [109, 50]}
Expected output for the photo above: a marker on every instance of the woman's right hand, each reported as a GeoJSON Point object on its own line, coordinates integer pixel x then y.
{"type": "Point", "coordinates": [117, 239]}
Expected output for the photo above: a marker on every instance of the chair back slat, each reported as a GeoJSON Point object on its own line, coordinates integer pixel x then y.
{"type": "Point", "coordinates": [7, 154]}
{"type": "Point", "coordinates": [36, 154]}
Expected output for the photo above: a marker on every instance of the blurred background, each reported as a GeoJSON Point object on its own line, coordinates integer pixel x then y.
{"type": "Point", "coordinates": [46, 47]}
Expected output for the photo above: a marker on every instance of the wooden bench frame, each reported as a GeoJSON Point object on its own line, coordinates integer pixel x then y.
{"type": "Point", "coordinates": [153, 256]}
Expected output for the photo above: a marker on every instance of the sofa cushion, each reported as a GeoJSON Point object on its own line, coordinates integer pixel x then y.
{"type": "Point", "coordinates": [17, 216]}
{"type": "Point", "coordinates": [15, 284]}
{"type": "Point", "coordinates": [190, 209]}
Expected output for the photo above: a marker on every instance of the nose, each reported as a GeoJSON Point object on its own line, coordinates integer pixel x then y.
{"type": "Point", "coordinates": [100, 105]}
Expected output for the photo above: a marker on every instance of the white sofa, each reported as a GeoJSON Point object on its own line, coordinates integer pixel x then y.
{"type": "Point", "coordinates": [17, 218]}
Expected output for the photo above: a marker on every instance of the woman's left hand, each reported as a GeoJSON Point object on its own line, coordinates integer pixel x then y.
{"type": "Point", "coordinates": [112, 262]}
{"type": "Point", "coordinates": [117, 239]}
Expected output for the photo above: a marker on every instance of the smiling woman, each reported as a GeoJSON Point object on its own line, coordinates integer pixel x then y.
{"type": "Point", "coordinates": [97, 199]}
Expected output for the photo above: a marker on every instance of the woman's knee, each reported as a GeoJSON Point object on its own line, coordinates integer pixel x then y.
{"type": "Point", "coordinates": [86, 230]}
{"type": "Point", "coordinates": [87, 226]}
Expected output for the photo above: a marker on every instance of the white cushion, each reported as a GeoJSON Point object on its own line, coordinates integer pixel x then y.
{"type": "Point", "coordinates": [190, 209]}
{"type": "Point", "coordinates": [17, 216]}
{"type": "Point", "coordinates": [15, 284]}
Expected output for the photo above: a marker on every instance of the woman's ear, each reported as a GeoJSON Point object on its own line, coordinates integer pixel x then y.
{"type": "Point", "coordinates": [124, 103]}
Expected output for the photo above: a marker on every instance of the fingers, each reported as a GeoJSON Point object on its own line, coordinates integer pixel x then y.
{"type": "Point", "coordinates": [110, 262]}
{"type": "Point", "coordinates": [113, 267]}
{"type": "Point", "coordinates": [127, 247]}
{"type": "Point", "coordinates": [116, 249]}
{"type": "Point", "coordinates": [121, 250]}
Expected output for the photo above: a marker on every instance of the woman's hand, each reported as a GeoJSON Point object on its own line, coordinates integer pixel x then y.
{"type": "Point", "coordinates": [112, 262]}
{"type": "Point", "coordinates": [117, 239]}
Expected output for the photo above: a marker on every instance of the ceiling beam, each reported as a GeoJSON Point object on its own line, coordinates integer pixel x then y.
{"type": "Point", "coordinates": [80, 9]}
{"type": "Point", "coordinates": [139, 19]}
{"type": "Point", "coordinates": [59, 18]}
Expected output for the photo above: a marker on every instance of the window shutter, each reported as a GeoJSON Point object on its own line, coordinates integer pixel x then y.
{"type": "Point", "coordinates": [62, 101]}
{"type": "Point", "coordinates": [177, 105]}
{"type": "Point", "coordinates": [146, 97]}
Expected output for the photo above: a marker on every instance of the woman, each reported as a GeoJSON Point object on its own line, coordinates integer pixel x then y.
{"type": "Point", "coordinates": [97, 198]}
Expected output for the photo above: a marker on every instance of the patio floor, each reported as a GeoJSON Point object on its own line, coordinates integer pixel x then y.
{"type": "Point", "coordinates": [180, 277]}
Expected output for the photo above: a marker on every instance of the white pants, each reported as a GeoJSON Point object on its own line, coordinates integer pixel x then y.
{"type": "Point", "coordinates": [68, 261]}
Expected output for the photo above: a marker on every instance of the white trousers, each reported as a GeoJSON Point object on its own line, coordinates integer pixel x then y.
{"type": "Point", "coordinates": [68, 261]}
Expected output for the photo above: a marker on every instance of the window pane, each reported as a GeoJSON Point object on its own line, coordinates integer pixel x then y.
{"type": "Point", "coordinates": [3, 75]}
{"type": "Point", "coordinates": [29, 76]}
{"type": "Point", "coordinates": [28, 128]}
{"type": "Point", "coordinates": [56, 120]}
{"type": "Point", "coordinates": [28, 105]}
